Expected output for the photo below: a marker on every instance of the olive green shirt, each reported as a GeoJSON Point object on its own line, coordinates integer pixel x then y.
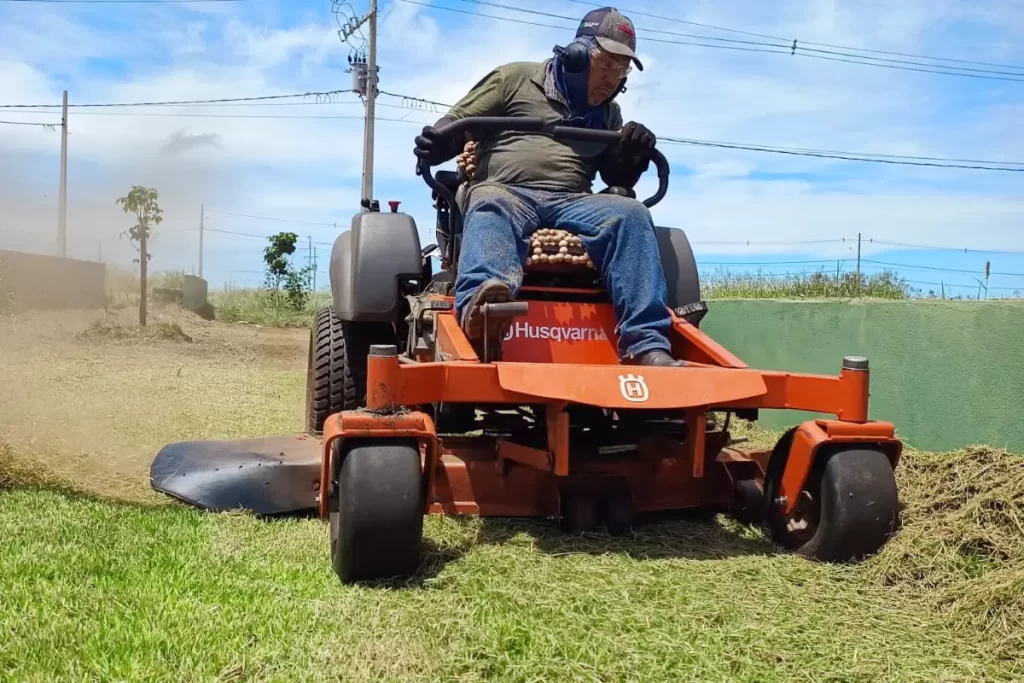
{"type": "Point", "coordinates": [532, 160]}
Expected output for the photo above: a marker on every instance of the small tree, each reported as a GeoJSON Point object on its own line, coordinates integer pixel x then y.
{"type": "Point", "coordinates": [280, 271]}
{"type": "Point", "coordinates": [142, 201]}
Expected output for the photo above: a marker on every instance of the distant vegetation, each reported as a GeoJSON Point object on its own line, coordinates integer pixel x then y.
{"type": "Point", "coordinates": [265, 307]}
{"type": "Point", "coordinates": [723, 284]}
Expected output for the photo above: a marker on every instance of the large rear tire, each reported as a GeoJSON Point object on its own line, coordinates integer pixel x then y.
{"type": "Point", "coordinates": [336, 371]}
{"type": "Point", "coordinates": [848, 509]}
{"type": "Point", "coordinates": [376, 512]}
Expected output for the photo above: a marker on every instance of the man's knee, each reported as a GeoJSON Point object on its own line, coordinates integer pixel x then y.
{"type": "Point", "coordinates": [615, 210]}
{"type": "Point", "coordinates": [634, 211]}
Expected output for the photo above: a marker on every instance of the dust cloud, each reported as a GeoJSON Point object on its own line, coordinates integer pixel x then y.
{"type": "Point", "coordinates": [186, 169]}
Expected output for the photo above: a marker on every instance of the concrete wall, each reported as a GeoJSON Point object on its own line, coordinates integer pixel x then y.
{"type": "Point", "coordinates": [32, 281]}
{"type": "Point", "coordinates": [947, 374]}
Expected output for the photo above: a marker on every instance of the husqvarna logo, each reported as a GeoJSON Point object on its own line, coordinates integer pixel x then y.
{"type": "Point", "coordinates": [524, 330]}
{"type": "Point", "coordinates": [633, 388]}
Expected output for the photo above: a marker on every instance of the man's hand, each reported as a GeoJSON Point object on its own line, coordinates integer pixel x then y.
{"type": "Point", "coordinates": [637, 143]}
{"type": "Point", "coordinates": [431, 148]}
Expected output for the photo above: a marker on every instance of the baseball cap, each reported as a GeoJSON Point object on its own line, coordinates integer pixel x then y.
{"type": "Point", "coordinates": [613, 30]}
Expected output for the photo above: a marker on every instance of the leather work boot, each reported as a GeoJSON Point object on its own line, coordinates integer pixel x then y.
{"type": "Point", "coordinates": [657, 358]}
{"type": "Point", "coordinates": [492, 291]}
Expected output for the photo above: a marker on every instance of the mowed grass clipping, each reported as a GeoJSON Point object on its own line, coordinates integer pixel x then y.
{"type": "Point", "coordinates": [109, 582]}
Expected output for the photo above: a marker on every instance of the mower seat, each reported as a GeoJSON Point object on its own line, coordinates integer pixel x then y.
{"type": "Point", "coordinates": [450, 179]}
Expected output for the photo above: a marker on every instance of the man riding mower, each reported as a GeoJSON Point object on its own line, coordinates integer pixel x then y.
{"type": "Point", "coordinates": [525, 181]}
{"type": "Point", "coordinates": [497, 386]}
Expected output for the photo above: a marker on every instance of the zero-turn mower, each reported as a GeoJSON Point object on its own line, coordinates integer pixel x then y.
{"type": "Point", "coordinates": [404, 419]}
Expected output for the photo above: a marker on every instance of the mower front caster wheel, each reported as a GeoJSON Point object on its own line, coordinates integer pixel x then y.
{"type": "Point", "coordinates": [376, 511]}
{"type": "Point", "coordinates": [848, 509]}
{"type": "Point", "coordinates": [617, 511]}
{"type": "Point", "coordinates": [579, 512]}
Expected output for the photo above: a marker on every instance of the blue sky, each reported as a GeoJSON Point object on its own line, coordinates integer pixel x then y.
{"type": "Point", "coordinates": [304, 169]}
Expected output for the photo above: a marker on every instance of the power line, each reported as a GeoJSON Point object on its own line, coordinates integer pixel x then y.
{"type": "Point", "coordinates": [786, 44]}
{"type": "Point", "coordinates": [905, 68]}
{"type": "Point", "coordinates": [798, 151]}
{"type": "Point", "coordinates": [253, 235]}
{"type": "Point", "coordinates": [872, 240]}
{"type": "Point", "coordinates": [792, 49]}
{"type": "Point", "coordinates": [865, 154]}
{"type": "Point", "coordinates": [750, 243]}
{"type": "Point", "coordinates": [844, 157]}
{"type": "Point", "coordinates": [769, 263]}
{"type": "Point", "coordinates": [242, 116]}
{"type": "Point", "coordinates": [938, 268]}
{"type": "Point", "coordinates": [947, 284]}
{"type": "Point", "coordinates": [788, 274]}
{"type": "Point", "coordinates": [413, 99]}
{"type": "Point", "coordinates": [269, 218]}
{"type": "Point", "coordinates": [897, 159]}
{"type": "Point", "coordinates": [804, 42]}
{"type": "Point", "coordinates": [323, 93]}
{"type": "Point", "coordinates": [232, 232]}
{"type": "Point", "coordinates": [50, 126]}
{"type": "Point", "coordinates": [785, 51]}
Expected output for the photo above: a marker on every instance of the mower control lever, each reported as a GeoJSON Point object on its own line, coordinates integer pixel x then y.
{"type": "Point", "coordinates": [507, 309]}
{"type": "Point", "coordinates": [511, 309]}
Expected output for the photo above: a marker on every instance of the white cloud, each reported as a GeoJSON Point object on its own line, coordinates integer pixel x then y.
{"type": "Point", "coordinates": [310, 169]}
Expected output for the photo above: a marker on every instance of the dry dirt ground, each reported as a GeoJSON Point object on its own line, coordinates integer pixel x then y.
{"type": "Point", "coordinates": [88, 396]}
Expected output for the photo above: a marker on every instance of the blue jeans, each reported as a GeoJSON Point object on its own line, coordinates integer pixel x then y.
{"type": "Point", "coordinates": [618, 234]}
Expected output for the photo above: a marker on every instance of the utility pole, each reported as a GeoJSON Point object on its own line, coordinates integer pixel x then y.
{"type": "Point", "coordinates": [364, 83]}
{"type": "Point", "coordinates": [202, 216]}
{"type": "Point", "coordinates": [314, 269]}
{"type": "Point", "coordinates": [858, 263]}
{"type": "Point", "coordinates": [62, 209]}
{"type": "Point", "coordinates": [371, 101]}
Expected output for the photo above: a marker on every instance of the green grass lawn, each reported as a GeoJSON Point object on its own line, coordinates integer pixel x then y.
{"type": "Point", "coordinates": [103, 580]}
{"type": "Point", "coordinates": [92, 590]}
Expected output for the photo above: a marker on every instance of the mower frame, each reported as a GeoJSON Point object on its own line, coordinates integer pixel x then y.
{"type": "Point", "coordinates": [497, 476]}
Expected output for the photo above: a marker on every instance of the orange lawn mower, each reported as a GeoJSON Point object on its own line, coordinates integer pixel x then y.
{"type": "Point", "coordinates": [405, 419]}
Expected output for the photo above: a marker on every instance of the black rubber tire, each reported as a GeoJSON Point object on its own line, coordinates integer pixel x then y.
{"type": "Point", "coordinates": [376, 512]}
{"type": "Point", "coordinates": [748, 502]}
{"type": "Point", "coordinates": [616, 510]}
{"type": "Point", "coordinates": [580, 512]}
{"type": "Point", "coordinates": [857, 507]}
{"type": "Point", "coordinates": [336, 372]}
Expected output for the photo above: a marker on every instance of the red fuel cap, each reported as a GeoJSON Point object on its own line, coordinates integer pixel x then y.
{"type": "Point", "coordinates": [394, 205]}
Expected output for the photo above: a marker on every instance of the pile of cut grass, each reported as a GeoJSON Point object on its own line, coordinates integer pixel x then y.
{"type": "Point", "coordinates": [107, 329]}
{"type": "Point", "coordinates": [962, 542]}
{"type": "Point", "coordinates": [17, 471]}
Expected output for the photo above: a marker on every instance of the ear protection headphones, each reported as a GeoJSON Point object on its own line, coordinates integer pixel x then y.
{"type": "Point", "coordinates": [575, 56]}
